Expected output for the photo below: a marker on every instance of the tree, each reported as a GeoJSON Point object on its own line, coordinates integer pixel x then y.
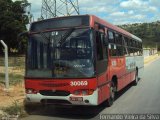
{"type": "Point", "coordinates": [148, 32]}
{"type": "Point", "coordinates": [12, 22]}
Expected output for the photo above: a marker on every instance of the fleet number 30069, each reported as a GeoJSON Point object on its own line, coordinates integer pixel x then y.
{"type": "Point", "coordinates": [78, 83]}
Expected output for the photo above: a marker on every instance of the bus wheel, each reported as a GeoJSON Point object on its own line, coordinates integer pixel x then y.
{"type": "Point", "coordinates": [28, 107]}
{"type": "Point", "coordinates": [135, 82]}
{"type": "Point", "coordinates": [110, 100]}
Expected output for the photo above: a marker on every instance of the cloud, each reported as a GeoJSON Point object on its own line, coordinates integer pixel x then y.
{"type": "Point", "coordinates": [127, 15]}
{"type": "Point", "coordinates": [133, 4]}
{"type": "Point", "coordinates": [118, 14]}
{"type": "Point", "coordinates": [139, 17]}
{"type": "Point", "coordinates": [97, 6]}
{"type": "Point", "coordinates": [141, 5]}
{"type": "Point", "coordinates": [114, 11]}
{"type": "Point", "coordinates": [131, 12]}
{"type": "Point", "coordinates": [154, 3]}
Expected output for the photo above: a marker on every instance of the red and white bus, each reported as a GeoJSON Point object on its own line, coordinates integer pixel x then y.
{"type": "Point", "coordinates": [80, 60]}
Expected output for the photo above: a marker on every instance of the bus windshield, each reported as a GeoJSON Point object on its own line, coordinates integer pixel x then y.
{"type": "Point", "coordinates": [60, 54]}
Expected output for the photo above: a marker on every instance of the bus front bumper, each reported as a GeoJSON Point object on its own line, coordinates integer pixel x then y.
{"type": "Point", "coordinates": [67, 100]}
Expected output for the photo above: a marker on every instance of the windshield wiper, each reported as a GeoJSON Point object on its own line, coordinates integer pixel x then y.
{"type": "Point", "coordinates": [65, 36]}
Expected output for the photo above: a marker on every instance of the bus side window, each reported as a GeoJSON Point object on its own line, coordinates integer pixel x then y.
{"type": "Point", "coordinates": [104, 47]}
{"type": "Point", "coordinates": [120, 51]}
{"type": "Point", "coordinates": [125, 44]}
{"type": "Point", "coordinates": [118, 39]}
{"type": "Point", "coordinates": [99, 46]}
{"type": "Point", "coordinates": [111, 37]}
{"type": "Point", "coordinates": [125, 50]}
{"type": "Point", "coordinates": [113, 50]}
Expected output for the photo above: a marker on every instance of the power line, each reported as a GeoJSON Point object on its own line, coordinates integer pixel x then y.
{"type": "Point", "coordinates": [56, 8]}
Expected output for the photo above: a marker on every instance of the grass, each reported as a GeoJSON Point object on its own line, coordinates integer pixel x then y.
{"type": "Point", "coordinates": [13, 78]}
{"type": "Point", "coordinates": [16, 61]}
{"type": "Point", "coordinates": [15, 109]}
{"type": "Point", "coordinates": [16, 69]}
{"type": "Point", "coordinates": [16, 75]}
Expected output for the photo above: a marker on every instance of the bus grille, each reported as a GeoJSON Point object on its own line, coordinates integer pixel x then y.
{"type": "Point", "coordinates": [54, 93]}
{"type": "Point", "coordinates": [54, 85]}
{"type": "Point", "coordinates": [53, 101]}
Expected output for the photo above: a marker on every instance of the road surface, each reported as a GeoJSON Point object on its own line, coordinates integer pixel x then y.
{"type": "Point", "coordinates": [141, 99]}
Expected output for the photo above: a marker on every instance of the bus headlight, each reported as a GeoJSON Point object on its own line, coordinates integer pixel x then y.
{"type": "Point", "coordinates": [31, 91]}
{"type": "Point", "coordinates": [77, 92]}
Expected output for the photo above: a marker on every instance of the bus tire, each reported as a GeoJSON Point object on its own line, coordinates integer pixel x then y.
{"type": "Point", "coordinates": [135, 82]}
{"type": "Point", "coordinates": [110, 100]}
{"type": "Point", "coordinates": [28, 107]}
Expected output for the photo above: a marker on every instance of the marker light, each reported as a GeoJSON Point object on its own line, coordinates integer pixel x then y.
{"type": "Point", "coordinates": [31, 91]}
{"type": "Point", "coordinates": [83, 92]}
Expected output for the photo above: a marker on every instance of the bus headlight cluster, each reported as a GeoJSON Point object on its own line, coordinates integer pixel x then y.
{"type": "Point", "coordinates": [83, 92]}
{"type": "Point", "coordinates": [31, 91]}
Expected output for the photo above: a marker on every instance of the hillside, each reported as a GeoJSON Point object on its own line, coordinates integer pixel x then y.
{"type": "Point", "coordinates": [148, 32]}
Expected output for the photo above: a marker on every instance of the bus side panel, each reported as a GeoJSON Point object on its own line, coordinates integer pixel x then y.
{"type": "Point", "coordinates": [127, 79]}
{"type": "Point", "coordinates": [121, 81]}
{"type": "Point", "coordinates": [130, 69]}
{"type": "Point", "coordinates": [103, 88]}
{"type": "Point", "coordinates": [118, 69]}
{"type": "Point", "coordinates": [133, 74]}
{"type": "Point", "coordinates": [140, 64]}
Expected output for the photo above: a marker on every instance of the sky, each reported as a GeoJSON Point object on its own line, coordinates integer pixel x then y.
{"type": "Point", "coordinates": [114, 11]}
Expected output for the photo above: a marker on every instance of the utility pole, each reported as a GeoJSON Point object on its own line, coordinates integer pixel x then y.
{"type": "Point", "coordinates": [6, 65]}
{"type": "Point", "coordinates": [56, 8]}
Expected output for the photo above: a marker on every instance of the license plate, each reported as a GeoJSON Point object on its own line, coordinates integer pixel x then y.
{"type": "Point", "coordinates": [76, 98]}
